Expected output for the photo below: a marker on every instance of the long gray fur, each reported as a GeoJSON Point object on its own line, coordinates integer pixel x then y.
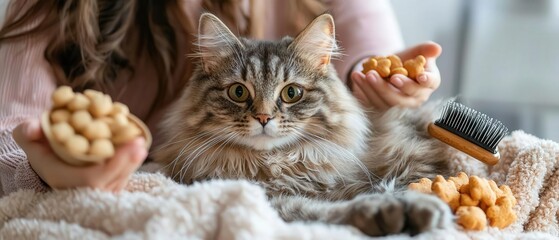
{"type": "Point", "coordinates": [322, 158]}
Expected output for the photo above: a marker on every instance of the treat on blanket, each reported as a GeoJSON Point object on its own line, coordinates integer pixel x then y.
{"type": "Point", "coordinates": [467, 196]}
{"type": "Point", "coordinates": [502, 191]}
{"type": "Point", "coordinates": [467, 200]}
{"type": "Point", "coordinates": [481, 191]}
{"type": "Point", "coordinates": [86, 128]}
{"type": "Point", "coordinates": [446, 190]}
{"type": "Point", "coordinates": [460, 180]}
{"type": "Point", "coordinates": [471, 217]}
{"type": "Point", "coordinates": [424, 185]}
{"type": "Point", "coordinates": [390, 65]}
{"type": "Point", "coordinates": [501, 214]}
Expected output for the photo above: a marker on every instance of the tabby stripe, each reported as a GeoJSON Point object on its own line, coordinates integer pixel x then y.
{"type": "Point", "coordinates": [285, 74]}
{"type": "Point", "coordinates": [244, 72]}
{"type": "Point", "coordinates": [265, 64]}
{"type": "Point", "coordinates": [279, 104]}
{"type": "Point", "coordinates": [251, 69]}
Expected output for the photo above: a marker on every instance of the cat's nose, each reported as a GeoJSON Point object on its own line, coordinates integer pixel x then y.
{"type": "Point", "coordinates": [263, 118]}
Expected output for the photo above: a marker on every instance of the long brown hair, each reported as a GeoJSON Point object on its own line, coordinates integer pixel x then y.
{"type": "Point", "coordinates": [87, 51]}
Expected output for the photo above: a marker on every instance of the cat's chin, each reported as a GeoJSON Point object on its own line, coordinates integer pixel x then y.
{"type": "Point", "coordinates": [264, 142]}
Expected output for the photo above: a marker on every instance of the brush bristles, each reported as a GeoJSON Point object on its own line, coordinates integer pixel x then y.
{"type": "Point", "coordinates": [472, 125]}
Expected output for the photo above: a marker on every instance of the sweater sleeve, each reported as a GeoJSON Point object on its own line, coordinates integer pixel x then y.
{"type": "Point", "coordinates": [364, 28]}
{"type": "Point", "coordinates": [26, 83]}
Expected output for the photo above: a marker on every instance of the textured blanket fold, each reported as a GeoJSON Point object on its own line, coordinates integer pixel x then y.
{"type": "Point", "coordinates": [155, 207]}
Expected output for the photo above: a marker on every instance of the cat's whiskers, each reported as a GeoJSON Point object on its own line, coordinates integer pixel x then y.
{"type": "Point", "coordinates": [190, 158]}
{"type": "Point", "coordinates": [164, 146]}
{"type": "Point", "coordinates": [228, 138]}
{"type": "Point", "coordinates": [187, 160]}
{"type": "Point", "coordinates": [194, 139]}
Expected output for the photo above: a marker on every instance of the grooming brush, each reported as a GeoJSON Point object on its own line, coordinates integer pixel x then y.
{"type": "Point", "coordinates": [469, 131]}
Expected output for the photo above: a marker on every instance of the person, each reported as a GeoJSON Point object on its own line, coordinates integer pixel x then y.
{"type": "Point", "coordinates": [135, 52]}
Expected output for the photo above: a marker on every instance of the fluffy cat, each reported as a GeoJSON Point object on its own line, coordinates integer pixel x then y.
{"type": "Point", "coordinates": [276, 113]}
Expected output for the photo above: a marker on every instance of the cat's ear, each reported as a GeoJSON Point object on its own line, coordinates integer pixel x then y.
{"type": "Point", "coordinates": [215, 41]}
{"type": "Point", "coordinates": [317, 42]}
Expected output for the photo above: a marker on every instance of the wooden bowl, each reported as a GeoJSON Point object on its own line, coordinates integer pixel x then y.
{"type": "Point", "coordinates": [80, 160]}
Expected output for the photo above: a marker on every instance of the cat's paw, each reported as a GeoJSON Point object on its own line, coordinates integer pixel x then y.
{"type": "Point", "coordinates": [425, 212]}
{"type": "Point", "coordinates": [413, 213]}
{"type": "Point", "coordinates": [377, 215]}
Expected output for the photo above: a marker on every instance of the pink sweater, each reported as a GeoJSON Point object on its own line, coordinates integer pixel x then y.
{"type": "Point", "coordinates": [363, 28]}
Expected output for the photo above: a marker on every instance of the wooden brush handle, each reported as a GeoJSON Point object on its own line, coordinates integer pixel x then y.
{"type": "Point", "coordinates": [463, 145]}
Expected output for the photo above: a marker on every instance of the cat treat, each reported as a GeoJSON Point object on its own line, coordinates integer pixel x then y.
{"type": "Point", "coordinates": [474, 200]}
{"type": "Point", "coordinates": [87, 128]}
{"type": "Point", "coordinates": [471, 217]}
{"type": "Point", "coordinates": [392, 64]}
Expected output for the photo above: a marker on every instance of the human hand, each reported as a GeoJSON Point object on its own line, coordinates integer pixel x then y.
{"type": "Point", "coordinates": [112, 175]}
{"type": "Point", "coordinates": [372, 91]}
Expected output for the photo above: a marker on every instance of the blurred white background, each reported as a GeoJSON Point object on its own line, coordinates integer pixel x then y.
{"type": "Point", "coordinates": [501, 57]}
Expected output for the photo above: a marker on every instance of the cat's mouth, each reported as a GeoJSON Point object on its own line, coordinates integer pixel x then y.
{"type": "Point", "coordinates": [265, 141]}
{"type": "Point", "coordinates": [264, 137]}
{"type": "Point", "coordinates": [266, 132]}
{"type": "Point", "coordinates": [261, 141]}
{"type": "Point", "coordinates": [263, 134]}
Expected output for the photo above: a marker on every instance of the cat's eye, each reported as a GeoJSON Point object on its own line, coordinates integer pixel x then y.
{"type": "Point", "coordinates": [291, 93]}
{"type": "Point", "coordinates": [238, 92]}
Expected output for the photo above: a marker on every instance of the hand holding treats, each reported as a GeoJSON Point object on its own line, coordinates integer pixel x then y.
{"type": "Point", "coordinates": [474, 200]}
{"type": "Point", "coordinates": [87, 128]}
{"type": "Point", "coordinates": [84, 165]}
{"type": "Point", "coordinates": [376, 89]}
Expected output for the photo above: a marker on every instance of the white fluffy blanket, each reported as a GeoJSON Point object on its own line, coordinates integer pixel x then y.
{"type": "Point", "coordinates": [154, 207]}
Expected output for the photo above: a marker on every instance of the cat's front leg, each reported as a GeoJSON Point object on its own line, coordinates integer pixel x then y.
{"type": "Point", "coordinates": [372, 214]}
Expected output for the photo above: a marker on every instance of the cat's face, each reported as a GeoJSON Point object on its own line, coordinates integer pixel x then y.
{"type": "Point", "coordinates": [268, 95]}
{"type": "Point", "coordinates": [265, 99]}
{"type": "Point", "coordinates": [264, 102]}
